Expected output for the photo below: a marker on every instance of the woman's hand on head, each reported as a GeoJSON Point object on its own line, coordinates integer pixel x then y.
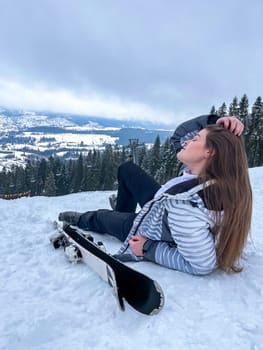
{"type": "Point", "coordinates": [231, 123]}
{"type": "Point", "coordinates": [136, 243]}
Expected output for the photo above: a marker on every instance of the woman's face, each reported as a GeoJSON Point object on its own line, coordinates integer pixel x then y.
{"type": "Point", "coordinates": [195, 153]}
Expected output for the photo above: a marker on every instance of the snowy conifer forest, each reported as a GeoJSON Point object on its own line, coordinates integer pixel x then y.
{"type": "Point", "coordinates": [96, 168]}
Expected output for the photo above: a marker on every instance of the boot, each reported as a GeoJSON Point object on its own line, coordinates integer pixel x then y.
{"type": "Point", "coordinates": [113, 201]}
{"type": "Point", "coordinates": [70, 217]}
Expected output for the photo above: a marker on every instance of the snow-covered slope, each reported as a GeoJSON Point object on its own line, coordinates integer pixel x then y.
{"type": "Point", "coordinates": [30, 120]}
{"type": "Point", "coordinates": [47, 303]}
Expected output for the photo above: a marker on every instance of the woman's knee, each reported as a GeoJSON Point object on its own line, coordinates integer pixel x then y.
{"type": "Point", "coordinates": [126, 169]}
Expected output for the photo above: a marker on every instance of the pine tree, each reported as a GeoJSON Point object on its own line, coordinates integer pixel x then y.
{"type": "Point", "coordinates": [42, 169]}
{"type": "Point", "coordinates": [155, 157]}
{"type": "Point", "coordinates": [141, 154]}
{"type": "Point", "coordinates": [11, 181]}
{"type": "Point", "coordinates": [243, 112]}
{"type": "Point", "coordinates": [31, 177]}
{"type": "Point", "coordinates": [222, 111]}
{"type": "Point", "coordinates": [19, 175]}
{"type": "Point", "coordinates": [213, 110]}
{"type": "Point", "coordinates": [108, 169]}
{"type": "Point", "coordinates": [255, 143]}
{"type": "Point", "coordinates": [70, 174]}
{"type": "Point", "coordinates": [94, 169]}
{"type": "Point", "coordinates": [161, 173]}
{"type": "Point", "coordinates": [3, 182]}
{"type": "Point", "coordinates": [50, 185]}
{"type": "Point", "coordinates": [78, 174]}
{"type": "Point", "coordinates": [234, 107]}
{"type": "Point", "coordinates": [145, 164]}
{"type": "Point", "coordinates": [173, 164]}
{"type": "Point", "coordinates": [61, 181]}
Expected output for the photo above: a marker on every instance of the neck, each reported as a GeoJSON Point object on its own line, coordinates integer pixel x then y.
{"type": "Point", "coordinates": [195, 169]}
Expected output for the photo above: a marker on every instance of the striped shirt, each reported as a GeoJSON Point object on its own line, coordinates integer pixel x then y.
{"type": "Point", "coordinates": [180, 229]}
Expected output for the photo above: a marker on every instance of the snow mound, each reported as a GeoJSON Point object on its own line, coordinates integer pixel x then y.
{"type": "Point", "coordinates": [47, 303]}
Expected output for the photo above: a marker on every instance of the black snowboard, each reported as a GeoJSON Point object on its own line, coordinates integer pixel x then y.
{"type": "Point", "coordinates": [141, 292]}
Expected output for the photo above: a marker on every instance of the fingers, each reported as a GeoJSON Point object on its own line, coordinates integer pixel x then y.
{"type": "Point", "coordinates": [136, 243]}
{"type": "Point", "coordinates": [225, 121]}
{"type": "Point", "coordinates": [134, 239]}
{"type": "Point", "coordinates": [232, 123]}
{"type": "Point", "coordinates": [236, 126]}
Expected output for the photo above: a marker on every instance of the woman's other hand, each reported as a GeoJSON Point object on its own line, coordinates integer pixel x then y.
{"type": "Point", "coordinates": [136, 243]}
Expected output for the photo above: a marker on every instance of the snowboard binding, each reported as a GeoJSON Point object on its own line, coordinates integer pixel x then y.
{"type": "Point", "coordinates": [58, 240]}
{"type": "Point", "coordinates": [73, 253]}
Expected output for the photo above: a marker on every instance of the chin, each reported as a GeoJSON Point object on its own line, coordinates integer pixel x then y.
{"type": "Point", "coordinates": [180, 155]}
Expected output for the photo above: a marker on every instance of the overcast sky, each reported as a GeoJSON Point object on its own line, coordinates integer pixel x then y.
{"type": "Point", "coordinates": [162, 60]}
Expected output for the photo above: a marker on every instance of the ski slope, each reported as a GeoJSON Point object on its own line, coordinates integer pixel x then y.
{"type": "Point", "coordinates": [47, 303]}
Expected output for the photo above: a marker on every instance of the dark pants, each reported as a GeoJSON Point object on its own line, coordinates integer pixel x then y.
{"type": "Point", "coordinates": [134, 187]}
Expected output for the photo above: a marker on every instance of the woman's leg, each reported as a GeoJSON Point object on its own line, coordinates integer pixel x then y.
{"type": "Point", "coordinates": [114, 223]}
{"type": "Point", "coordinates": [134, 186]}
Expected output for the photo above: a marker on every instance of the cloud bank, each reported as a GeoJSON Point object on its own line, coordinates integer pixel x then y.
{"type": "Point", "coordinates": [150, 60]}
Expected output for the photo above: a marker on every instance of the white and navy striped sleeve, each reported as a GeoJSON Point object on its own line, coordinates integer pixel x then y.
{"type": "Point", "coordinates": [194, 249]}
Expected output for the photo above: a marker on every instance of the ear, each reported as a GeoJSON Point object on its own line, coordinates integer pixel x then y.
{"type": "Point", "coordinates": [209, 153]}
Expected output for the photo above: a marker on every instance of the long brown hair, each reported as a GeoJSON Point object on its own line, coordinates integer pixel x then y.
{"type": "Point", "coordinates": [230, 192]}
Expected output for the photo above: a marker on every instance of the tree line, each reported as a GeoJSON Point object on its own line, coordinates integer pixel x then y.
{"type": "Point", "coordinates": [253, 121]}
{"type": "Point", "coordinates": [97, 170]}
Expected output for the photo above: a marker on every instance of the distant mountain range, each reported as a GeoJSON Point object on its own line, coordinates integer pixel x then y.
{"type": "Point", "coordinates": [19, 121]}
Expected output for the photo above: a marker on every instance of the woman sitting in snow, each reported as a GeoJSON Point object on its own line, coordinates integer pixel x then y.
{"type": "Point", "coordinates": [194, 223]}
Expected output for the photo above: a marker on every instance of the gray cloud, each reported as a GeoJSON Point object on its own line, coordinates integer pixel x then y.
{"type": "Point", "coordinates": [179, 57]}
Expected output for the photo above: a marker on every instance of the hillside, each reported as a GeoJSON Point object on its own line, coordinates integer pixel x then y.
{"type": "Point", "coordinates": [47, 303]}
{"type": "Point", "coordinates": [33, 135]}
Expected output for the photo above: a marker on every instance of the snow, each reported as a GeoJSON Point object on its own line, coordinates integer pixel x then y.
{"type": "Point", "coordinates": [48, 303]}
{"type": "Point", "coordinates": [31, 119]}
{"type": "Point", "coordinates": [65, 139]}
